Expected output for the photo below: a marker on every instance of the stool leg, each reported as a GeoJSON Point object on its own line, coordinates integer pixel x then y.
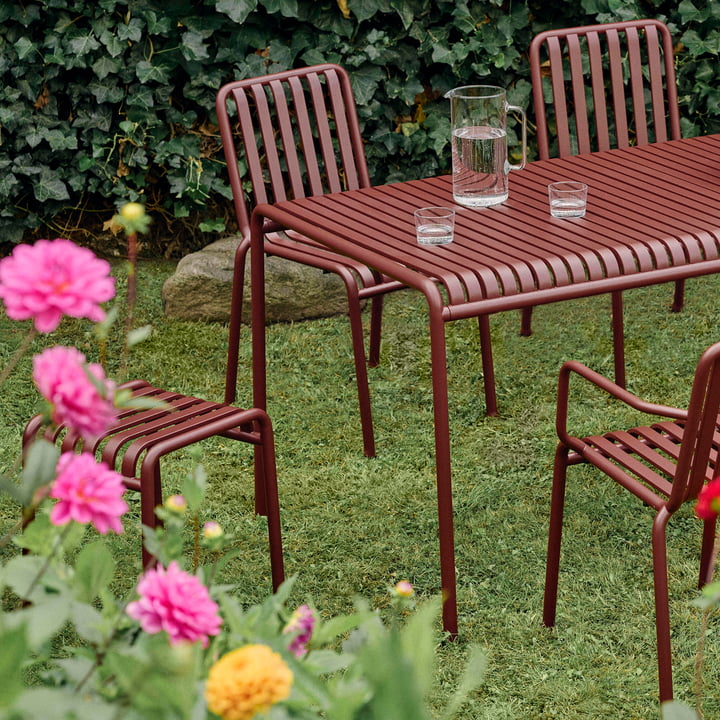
{"type": "Point", "coordinates": [270, 488]}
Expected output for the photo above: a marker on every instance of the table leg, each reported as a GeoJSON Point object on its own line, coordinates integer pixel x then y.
{"type": "Point", "coordinates": [491, 409]}
{"type": "Point", "coordinates": [618, 331]}
{"type": "Point", "coordinates": [438, 360]}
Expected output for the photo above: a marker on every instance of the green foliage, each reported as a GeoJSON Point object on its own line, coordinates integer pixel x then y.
{"type": "Point", "coordinates": [105, 101]}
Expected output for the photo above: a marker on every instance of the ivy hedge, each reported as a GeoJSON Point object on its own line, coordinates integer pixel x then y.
{"type": "Point", "coordinates": [104, 101]}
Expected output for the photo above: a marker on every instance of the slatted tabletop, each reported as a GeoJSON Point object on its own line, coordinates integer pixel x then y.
{"type": "Point", "coordinates": [655, 208]}
{"type": "Point", "coordinates": [653, 216]}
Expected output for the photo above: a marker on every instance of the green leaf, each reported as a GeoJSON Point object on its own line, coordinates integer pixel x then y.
{"type": "Point", "coordinates": [215, 225]}
{"type": "Point", "coordinates": [419, 641]}
{"type": "Point", "coordinates": [43, 620]}
{"type": "Point", "coordinates": [39, 536]}
{"type": "Point", "coordinates": [470, 681]}
{"type": "Point", "coordinates": [39, 467]}
{"type": "Point", "coordinates": [138, 335]}
{"type": "Point", "coordinates": [83, 44]}
{"type": "Point", "coordinates": [675, 710]}
{"type": "Point", "coordinates": [60, 703]}
{"type": "Point", "coordinates": [89, 623]}
{"type": "Point", "coordinates": [194, 488]}
{"type": "Point", "coordinates": [50, 187]}
{"type": "Point", "coordinates": [147, 72]}
{"type": "Point", "coordinates": [237, 10]}
{"type": "Point", "coordinates": [23, 47]}
{"type": "Point", "coordinates": [193, 46]}
{"type": "Point", "coordinates": [94, 569]}
{"type": "Point", "coordinates": [13, 642]}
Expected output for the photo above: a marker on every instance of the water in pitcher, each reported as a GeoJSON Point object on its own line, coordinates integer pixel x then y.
{"type": "Point", "coordinates": [479, 158]}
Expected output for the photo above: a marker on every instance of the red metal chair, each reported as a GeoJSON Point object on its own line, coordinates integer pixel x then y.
{"type": "Point", "coordinates": [137, 441]}
{"type": "Point", "coordinates": [291, 135]}
{"type": "Point", "coordinates": [600, 87]}
{"type": "Point", "coordinates": [664, 464]}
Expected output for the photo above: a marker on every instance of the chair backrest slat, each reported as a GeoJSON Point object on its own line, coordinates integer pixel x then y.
{"type": "Point", "coordinates": [290, 135]}
{"type": "Point", "coordinates": [287, 138]}
{"type": "Point", "coordinates": [612, 85]}
{"type": "Point", "coordinates": [577, 80]}
{"type": "Point", "coordinates": [597, 81]}
{"type": "Point", "coordinates": [637, 87]}
{"type": "Point", "coordinates": [314, 177]}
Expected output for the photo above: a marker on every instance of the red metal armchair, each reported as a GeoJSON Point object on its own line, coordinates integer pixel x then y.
{"type": "Point", "coordinates": [600, 87]}
{"type": "Point", "coordinates": [140, 438]}
{"type": "Point", "coordinates": [664, 464]}
{"type": "Point", "coordinates": [291, 135]}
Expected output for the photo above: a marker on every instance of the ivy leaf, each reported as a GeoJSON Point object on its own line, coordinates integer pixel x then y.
{"type": "Point", "coordinates": [237, 10]}
{"type": "Point", "coordinates": [50, 187]}
{"type": "Point", "coordinates": [105, 66]}
{"type": "Point", "coordinates": [192, 47]}
{"type": "Point", "coordinates": [112, 43]}
{"type": "Point", "coordinates": [147, 72]}
{"type": "Point", "coordinates": [365, 81]}
{"type": "Point", "coordinates": [23, 47]}
{"type": "Point", "coordinates": [406, 10]}
{"type": "Point", "coordinates": [83, 44]}
{"type": "Point", "coordinates": [287, 8]}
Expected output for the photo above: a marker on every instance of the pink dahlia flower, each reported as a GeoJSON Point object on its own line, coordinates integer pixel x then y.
{"type": "Point", "coordinates": [53, 278]}
{"type": "Point", "coordinates": [80, 394]}
{"type": "Point", "coordinates": [87, 492]}
{"type": "Point", "coordinates": [302, 623]}
{"type": "Point", "coordinates": [708, 501]}
{"type": "Point", "coordinates": [176, 602]}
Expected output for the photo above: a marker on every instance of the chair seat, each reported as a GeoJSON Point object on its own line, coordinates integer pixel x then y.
{"type": "Point", "coordinates": [294, 246]}
{"type": "Point", "coordinates": [642, 457]}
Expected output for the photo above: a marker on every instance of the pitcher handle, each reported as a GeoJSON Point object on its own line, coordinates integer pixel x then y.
{"type": "Point", "coordinates": [515, 108]}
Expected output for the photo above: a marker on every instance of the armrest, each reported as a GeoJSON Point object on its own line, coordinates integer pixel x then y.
{"type": "Point", "coordinates": [613, 389]}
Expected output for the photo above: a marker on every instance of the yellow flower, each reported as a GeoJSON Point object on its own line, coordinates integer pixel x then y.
{"type": "Point", "coordinates": [132, 211]}
{"type": "Point", "coordinates": [247, 681]}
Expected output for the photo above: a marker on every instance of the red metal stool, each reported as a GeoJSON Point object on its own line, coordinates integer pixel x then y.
{"type": "Point", "coordinates": [140, 437]}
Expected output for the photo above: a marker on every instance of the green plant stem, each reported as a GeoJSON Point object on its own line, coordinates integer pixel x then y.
{"type": "Point", "coordinates": [130, 301]}
{"type": "Point", "coordinates": [196, 542]}
{"type": "Point", "coordinates": [700, 654]}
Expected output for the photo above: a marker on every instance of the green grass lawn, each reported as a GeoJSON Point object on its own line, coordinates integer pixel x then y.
{"type": "Point", "coordinates": [353, 525]}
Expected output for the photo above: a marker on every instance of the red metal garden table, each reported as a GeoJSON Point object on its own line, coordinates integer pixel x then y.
{"type": "Point", "coordinates": [653, 216]}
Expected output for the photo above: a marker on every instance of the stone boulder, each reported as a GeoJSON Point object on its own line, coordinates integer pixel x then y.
{"type": "Point", "coordinates": [201, 287]}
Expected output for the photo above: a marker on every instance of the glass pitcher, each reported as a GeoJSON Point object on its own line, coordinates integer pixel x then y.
{"type": "Point", "coordinates": [478, 118]}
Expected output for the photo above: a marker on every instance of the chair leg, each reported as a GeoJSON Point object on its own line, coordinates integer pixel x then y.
{"type": "Point", "coordinates": [707, 553]}
{"type": "Point", "coordinates": [618, 333]}
{"type": "Point", "coordinates": [662, 611]}
{"type": "Point", "coordinates": [526, 321]}
{"type": "Point", "coordinates": [272, 504]}
{"type": "Point", "coordinates": [491, 409]}
{"type": "Point", "coordinates": [235, 322]}
{"type": "Point", "coordinates": [678, 296]}
{"type": "Point", "coordinates": [557, 507]}
{"type": "Point", "coordinates": [376, 309]}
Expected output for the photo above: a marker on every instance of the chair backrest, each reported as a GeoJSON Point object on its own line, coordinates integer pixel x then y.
{"type": "Point", "coordinates": [291, 135]}
{"type": "Point", "coordinates": [701, 429]}
{"type": "Point", "coordinates": [610, 85]}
